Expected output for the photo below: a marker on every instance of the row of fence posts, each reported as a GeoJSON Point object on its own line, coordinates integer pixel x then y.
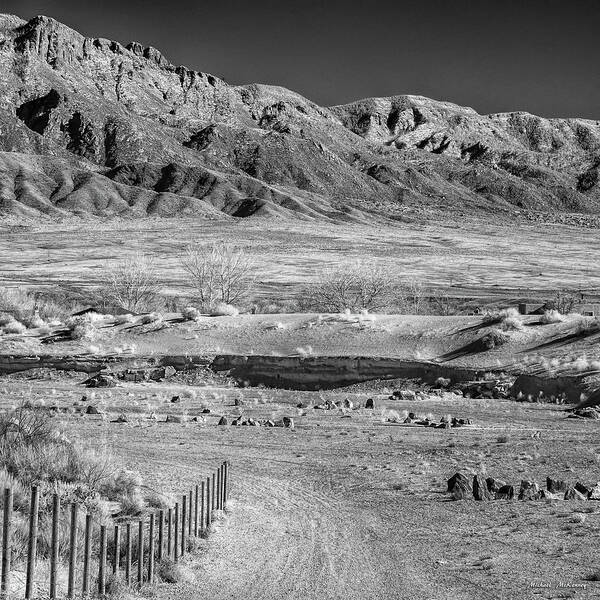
{"type": "Point", "coordinates": [190, 517]}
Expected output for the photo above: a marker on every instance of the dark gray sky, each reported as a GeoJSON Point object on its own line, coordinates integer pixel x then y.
{"type": "Point", "coordinates": [536, 55]}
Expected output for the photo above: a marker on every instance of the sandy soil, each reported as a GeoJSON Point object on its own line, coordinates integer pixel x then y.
{"type": "Point", "coordinates": [347, 505]}
{"type": "Point", "coordinates": [470, 258]}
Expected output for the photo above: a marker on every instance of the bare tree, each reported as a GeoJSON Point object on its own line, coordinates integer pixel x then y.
{"type": "Point", "coordinates": [412, 297]}
{"type": "Point", "coordinates": [132, 284]}
{"type": "Point", "coordinates": [564, 301]}
{"type": "Point", "coordinates": [219, 272]}
{"type": "Point", "coordinates": [355, 287]}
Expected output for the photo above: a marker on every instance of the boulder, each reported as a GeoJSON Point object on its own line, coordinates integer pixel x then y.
{"type": "Point", "coordinates": [595, 492]}
{"type": "Point", "coordinates": [529, 491]}
{"type": "Point", "coordinates": [573, 494]}
{"type": "Point", "coordinates": [222, 421]}
{"type": "Point", "coordinates": [288, 422]}
{"type": "Point", "coordinates": [555, 485]}
{"type": "Point", "coordinates": [176, 399]}
{"type": "Point", "coordinates": [370, 403]}
{"type": "Point", "coordinates": [584, 490]}
{"type": "Point", "coordinates": [506, 492]}
{"type": "Point", "coordinates": [92, 410]}
{"type": "Point", "coordinates": [348, 404]}
{"type": "Point", "coordinates": [205, 411]}
{"type": "Point", "coordinates": [237, 422]}
{"type": "Point", "coordinates": [493, 485]}
{"type": "Point", "coordinates": [480, 489]}
{"type": "Point", "coordinates": [100, 381]}
{"type": "Point", "coordinates": [460, 487]}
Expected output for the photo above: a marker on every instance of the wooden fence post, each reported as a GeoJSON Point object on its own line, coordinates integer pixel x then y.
{"type": "Point", "coordinates": [202, 506]}
{"type": "Point", "coordinates": [161, 533]}
{"type": "Point", "coordinates": [218, 484]}
{"type": "Point", "coordinates": [72, 550]}
{"type": "Point", "coordinates": [191, 511]}
{"type": "Point", "coordinates": [176, 534]}
{"type": "Point", "coordinates": [196, 506]}
{"type": "Point", "coordinates": [183, 522]}
{"type": "Point", "coordinates": [87, 551]}
{"type": "Point", "coordinates": [222, 468]}
{"type": "Point", "coordinates": [102, 562]}
{"type": "Point", "coordinates": [141, 553]}
{"type": "Point", "coordinates": [151, 550]}
{"type": "Point", "coordinates": [128, 553]}
{"type": "Point", "coordinates": [117, 550]}
{"type": "Point", "coordinates": [212, 492]}
{"type": "Point", "coordinates": [32, 542]}
{"type": "Point", "coordinates": [170, 532]}
{"type": "Point", "coordinates": [6, 540]}
{"type": "Point", "coordinates": [208, 515]}
{"type": "Point", "coordinates": [54, 544]}
{"type": "Point", "coordinates": [225, 483]}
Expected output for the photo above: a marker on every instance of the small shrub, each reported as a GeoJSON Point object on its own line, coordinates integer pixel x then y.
{"type": "Point", "coordinates": [551, 316]}
{"type": "Point", "coordinates": [124, 483]}
{"type": "Point", "coordinates": [168, 571]}
{"type": "Point", "coordinates": [153, 317]}
{"type": "Point", "coordinates": [123, 319]}
{"type": "Point", "coordinates": [224, 310]}
{"type": "Point", "coordinates": [495, 338]}
{"type": "Point", "coordinates": [132, 505]}
{"type": "Point", "coordinates": [159, 501]}
{"type": "Point", "coordinates": [191, 313]}
{"type": "Point", "coordinates": [14, 327]}
{"type": "Point", "coordinates": [115, 586]}
{"type": "Point", "coordinates": [5, 319]}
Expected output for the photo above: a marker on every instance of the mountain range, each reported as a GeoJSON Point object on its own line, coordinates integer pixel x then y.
{"type": "Point", "coordinates": [91, 127]}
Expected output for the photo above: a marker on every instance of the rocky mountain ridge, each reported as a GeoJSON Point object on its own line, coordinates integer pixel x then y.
{"type": "Point", "coordinates": [95, 128]}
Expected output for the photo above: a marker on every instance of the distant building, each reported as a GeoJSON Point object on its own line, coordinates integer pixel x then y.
{"type": "Point", "coordinates": [538, 308]}
{"type": "Point", "coordinates": [532, 308]}
{"type": "Point", "coordinates": [587, 310]}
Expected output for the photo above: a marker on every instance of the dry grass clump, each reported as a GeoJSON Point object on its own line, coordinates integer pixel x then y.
{"type": "Point", "coordinates": [169, 571]}
{"type": "Point", "coordinates": [224, 310]}
{"type": "Point", "coordinates": [123, 319]}
{"type": "Point", "coordinates": [495, 338]}
{"type": "Point", "coordinates": [191, 313]}
{"type": "Point", "coordinates": [551, 316]}
{"type": "Point", "coordinates": [152, 317]}
{"type": "Point", "coordinates": [159, 501]}
{"type": "Point", "coordinates": [510, 320]}
{"type": "Point", "coordinates": [14, 327]}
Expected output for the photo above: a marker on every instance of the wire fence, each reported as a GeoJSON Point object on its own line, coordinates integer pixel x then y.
{"type": "Point", "coordinates": [97, 554]}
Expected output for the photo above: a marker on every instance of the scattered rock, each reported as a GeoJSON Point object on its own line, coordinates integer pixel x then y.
{"type": "Point", "coordinates": [584, 490]}
{"type": "Point", "coordinates": [573, 494]}
{"type": "Point", "coordinates": [176, 399]}
{"type": "Point", "coordinates": [480, 489]}
{"type": "Point", "coordinates": [288, 422]}
{"type": "Point", "coordinates": [460, 487]}
{"type": "Point", "coordinates": [506, 492]}
{"type": "Point", "coordinates": [348, 404]}
{"type": "Point", "coordinates": [222, 421]}
{"type": "Point", "coordinates": [239, 402]}
{"type": "Point", "coordinates": [529, 491]}
{"type": "Point", "coordinates": [100, 381]}
{"type": "Point", "coordinates": [120, 419]}
{"type": "Point", "coordinates": [173, 419]}
{"type": "Point", "coordinates": [301, 405]}
{"type": "Point", "coordinates": [555, 485]}
{"type": "Point", "coordinates": [92, 410]}
{"type": "Point", "coordinates": [269, 423]}
{"type": "Point", "coordinates": [370, 403]}
{"type": "Point", "coordinates": [493, 485]}
{"type": "Point", "coordinates": [595, 492]}
{"type": "Point", "coordinates": [205, 411]}
{"type": "Point", "coordinates": [237, 422]}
